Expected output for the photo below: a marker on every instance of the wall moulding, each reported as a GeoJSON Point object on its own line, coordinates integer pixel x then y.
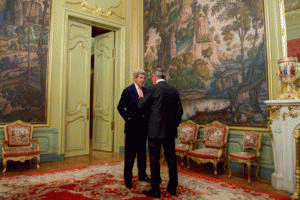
{"type": "Point", "coordinates": [117, 11]}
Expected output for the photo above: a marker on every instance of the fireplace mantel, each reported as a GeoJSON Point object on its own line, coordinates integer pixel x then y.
{"type": "Point", "coordinates": [284, 117]}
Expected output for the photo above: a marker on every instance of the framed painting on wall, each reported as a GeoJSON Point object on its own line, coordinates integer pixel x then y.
{"type": "Point", "coordinates": [215, 54]}
{"type": "Point", "coordinates": [24, 39]}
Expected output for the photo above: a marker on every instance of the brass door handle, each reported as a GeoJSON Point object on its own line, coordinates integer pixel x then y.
{"type": "Point", "coordinates": [88, 114]}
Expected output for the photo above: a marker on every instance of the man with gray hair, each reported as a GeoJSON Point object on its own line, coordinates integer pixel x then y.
{"type": "Point", "coordinates": [164, 108]}
{"type": "Point", "coordinates": [135, 128]}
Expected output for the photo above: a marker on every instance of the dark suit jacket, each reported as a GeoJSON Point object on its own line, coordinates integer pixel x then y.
{"type": "Point", "coordinates": [165, 110]}
{"type": "Point", "coordinates": [128, 108]}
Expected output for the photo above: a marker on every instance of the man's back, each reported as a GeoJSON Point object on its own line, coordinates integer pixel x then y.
{"type": "Point", "coordinates": [165, 111]}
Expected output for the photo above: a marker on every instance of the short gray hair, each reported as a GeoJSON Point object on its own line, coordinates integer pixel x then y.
{"type": "Point", "coordinates": [159, 73]}
{"type": "Point", "coordinates": [138, 72]}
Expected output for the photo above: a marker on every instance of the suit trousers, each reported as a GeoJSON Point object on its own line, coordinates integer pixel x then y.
{"type": "Point", "coordinates": [154, 146]}
{"type": "Point", "coordinates": [135, 146]}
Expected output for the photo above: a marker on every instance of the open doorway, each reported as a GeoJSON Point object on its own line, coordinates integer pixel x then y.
{"type": "Point", "coordinates": [95, 32]}
{"type": "Point", "coordinates": [79, 129]}
{"type": "Point", "coordinates": [96, 133]}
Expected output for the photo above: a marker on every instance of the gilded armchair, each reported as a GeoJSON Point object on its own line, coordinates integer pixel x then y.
{"type": "Point", "coordinates": [187, 132]}
{"type": "Point", "coordinates": [18, 144]}
{"type": "Point", "coordinates": [249, 155]}
{"type": "Point", "coordinates": [214, 149]}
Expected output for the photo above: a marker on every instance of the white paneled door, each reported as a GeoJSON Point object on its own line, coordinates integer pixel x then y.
{"type": "Point", "coordinates": [78, 75]}
{"type": "Point", "coordinates": [103, 119]}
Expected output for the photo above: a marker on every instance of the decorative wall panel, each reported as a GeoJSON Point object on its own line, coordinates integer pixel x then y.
{"type": "Point", "coordinates": [115, 11]}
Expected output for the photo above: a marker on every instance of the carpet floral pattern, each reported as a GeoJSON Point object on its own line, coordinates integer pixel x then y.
{"type": "Point", "coordinates": [106, 182]}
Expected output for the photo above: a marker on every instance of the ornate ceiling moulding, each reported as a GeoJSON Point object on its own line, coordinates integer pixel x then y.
{"type": "Point", "coordinates": [117, 11]}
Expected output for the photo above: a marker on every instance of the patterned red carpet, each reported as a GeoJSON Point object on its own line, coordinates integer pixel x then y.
{"type": "Point", "coordinates": [106, 182]}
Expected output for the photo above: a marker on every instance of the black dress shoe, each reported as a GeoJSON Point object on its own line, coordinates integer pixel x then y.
{"type": "Point", "coordinates": [128, 185]}
{"type": "Point", "coordinates": [152, 193]}
{"type": "Point", "coordinates": [172, 191]}
{"type": "Point", "coordinates": [146, 179]}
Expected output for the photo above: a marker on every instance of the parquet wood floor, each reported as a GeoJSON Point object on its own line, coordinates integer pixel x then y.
{"type": "Point", "coordinates": [98, 157]}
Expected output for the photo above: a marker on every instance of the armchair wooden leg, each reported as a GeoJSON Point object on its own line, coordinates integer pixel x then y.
{"type": "Point", "coordinates": [38, 162]}
{"type": "Point", "coordinates": [229, 168]}
{"type": "Point", "coordinates": [215, 168]}
{"type": "Point", "coordinates": [243, 169]}
{"type": "Point", "coordinates": [258, 166]}
{"type": "Point", "coordinates": [181, 161]}
{"type": "Point", "coordinates": [249, 172]}
{"type": "Point", "coordinates": [4, 166]}
{"type": "Point", "coordinates": [188, 162]}
{"type": "Point", "coordinates": [224, 166]}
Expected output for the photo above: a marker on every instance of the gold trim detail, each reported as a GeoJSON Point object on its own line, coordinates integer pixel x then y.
{"type": "Point", "coordinates": [297, 171]}
{"type": "Point", "coordinates": [100, 113]}
{"type": "Point", "coordinates": [97, 10]}
{"type": "Point", "coordinates": [290, 113]}
{"type": "Point", "coordinates": [274, 113]}
{"type": "Point", "coordinates": [73, 2]}
{"type": "Point", "coordinates": [79, 109]}
{"type": "Point", "coordinates": [80, 44]}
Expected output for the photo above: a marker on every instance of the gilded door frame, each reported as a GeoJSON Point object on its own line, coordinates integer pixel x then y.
{"type": "Point", "coordinates": [120, 69]}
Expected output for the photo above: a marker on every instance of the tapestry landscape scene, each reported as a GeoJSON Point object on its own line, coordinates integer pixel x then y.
{"type": "Point", "coordinates": [24, 37]}
{"type": "Point", "coordinates": [215, 55]}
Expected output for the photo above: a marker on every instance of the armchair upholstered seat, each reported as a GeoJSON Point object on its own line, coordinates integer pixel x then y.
{"type": "Point", "coordinates": [214, 148]}
{"type": "Point", "coordinates": [17, 145]}
{"type": "Point", "coordinates": [251, 142]}
{"type": "Point", "coordinates": [188, 131]}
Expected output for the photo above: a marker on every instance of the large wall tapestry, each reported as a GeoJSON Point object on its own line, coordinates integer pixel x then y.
{"type": "Point", "coordinates": [24, 37]}
{"type": "Point", "coordinates": [215, 53]}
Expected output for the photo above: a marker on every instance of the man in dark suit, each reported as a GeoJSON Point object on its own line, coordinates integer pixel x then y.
{"type": "Point", "coordinates": [135, 128]}
{"type": "Point", "coordinates": [165, 111]}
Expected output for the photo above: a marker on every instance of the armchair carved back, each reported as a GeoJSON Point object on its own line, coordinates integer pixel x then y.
{"type": "Point", "coordinates": [214, 147]}
{"type": "Point", "coordinates": [17, 145]}
{"type": "Point", "coordinates": [188, 131]}
{"type": "Point", "coordinates": [252, 141]}
{"type": "Point", "coordinates": [18, 134]}
{"type": "Point", "coordinates": [215, 135]}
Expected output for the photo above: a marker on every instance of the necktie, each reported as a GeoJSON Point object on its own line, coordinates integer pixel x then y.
{"type": "Point", "coordinates": [140, 92]}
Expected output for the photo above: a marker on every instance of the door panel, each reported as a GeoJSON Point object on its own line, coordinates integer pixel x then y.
{"type": "Point", "coordinates": [103, 92]}
{"type": "Point", "coordinates": [78, 89]}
